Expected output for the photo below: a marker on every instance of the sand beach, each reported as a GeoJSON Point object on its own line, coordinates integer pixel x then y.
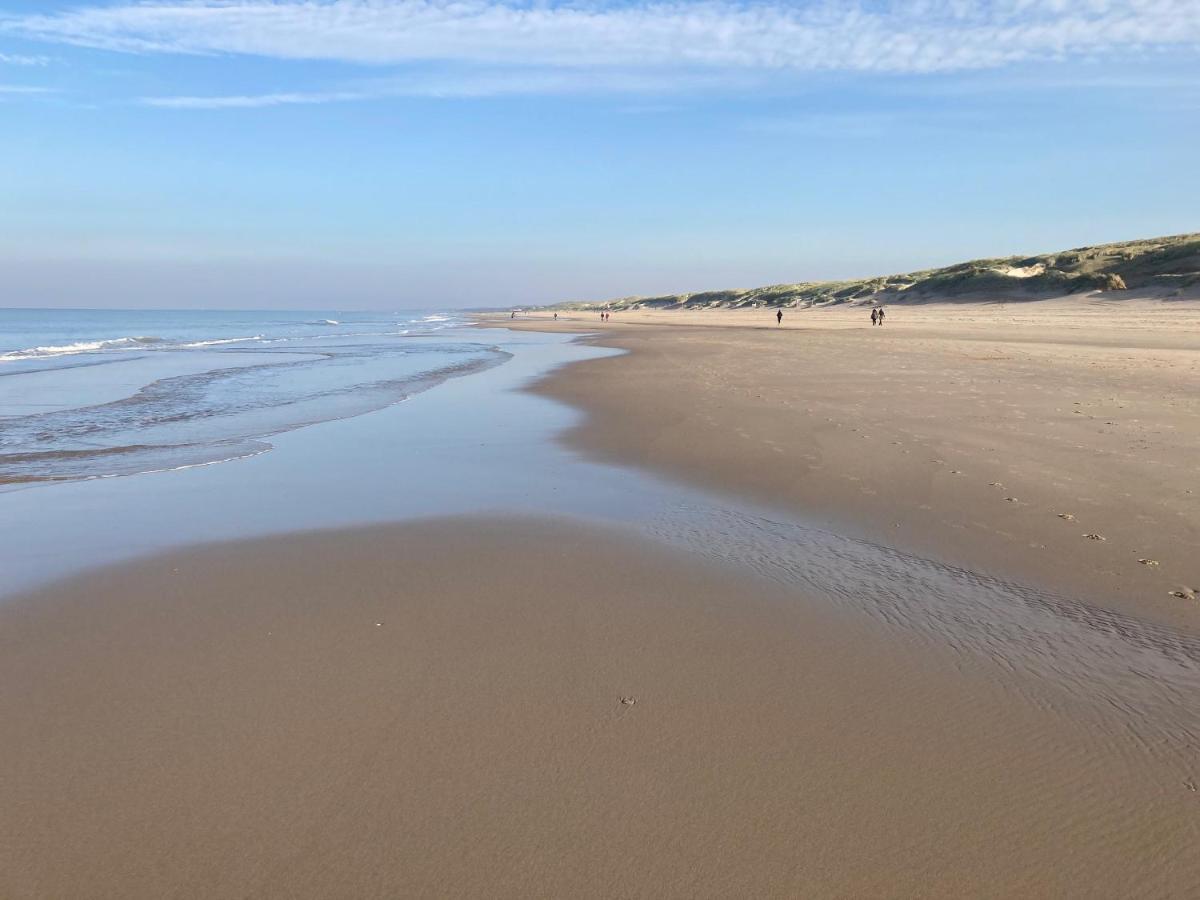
{"type": "Point", "coordinates": [519, 705]}
{"type": "Point", "coordinates": [522, 708]}
{"type": "Point", "coordinates": [1056, 441]}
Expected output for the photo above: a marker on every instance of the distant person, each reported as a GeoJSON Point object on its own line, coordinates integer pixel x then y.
{"type": "Point", "coordinates": [881, 315]}
{"type": "Point", "coordinates": [514, 314]}
{"type": "Point", "coordinates": [874, 316]}
{"type": "Point", "coordinates": [779, 317]}
{"type": "Point", "coordinates": [556, 317]}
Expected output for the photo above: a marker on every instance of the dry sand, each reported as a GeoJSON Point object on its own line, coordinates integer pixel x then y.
{"type": "Point", "coordinates": [435, 710]}
{"type": "Point", "coordinates": [993, 436]}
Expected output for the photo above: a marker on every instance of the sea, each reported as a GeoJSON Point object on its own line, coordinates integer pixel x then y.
{"type": "Point", "coordinates": [101, 393]}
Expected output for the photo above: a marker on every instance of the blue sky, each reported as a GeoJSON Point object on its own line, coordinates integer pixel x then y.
{"type": "Point", "coordinates": [359, 153]}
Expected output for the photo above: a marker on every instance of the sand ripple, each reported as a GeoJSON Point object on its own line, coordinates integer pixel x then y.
{"type": "Point", "coordinates": [1078, 655]}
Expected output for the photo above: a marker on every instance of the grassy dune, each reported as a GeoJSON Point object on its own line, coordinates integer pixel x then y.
{"type": "Point", "coordinates": [1165, 267]}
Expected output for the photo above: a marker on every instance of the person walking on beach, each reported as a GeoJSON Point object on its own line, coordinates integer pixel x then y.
{"type": "Point", "coordinates": [881, 315]}
{"type": "Point", "coordinates": [874, 316]}
{"type": "Point", "coordinates": [779, 317]}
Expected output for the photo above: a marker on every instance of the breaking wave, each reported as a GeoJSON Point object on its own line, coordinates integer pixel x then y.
{"type": "Point", "coordinates": [122, 343]}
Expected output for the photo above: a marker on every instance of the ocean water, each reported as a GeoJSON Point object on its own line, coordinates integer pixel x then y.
{"type": "Point", "coordinates": [100, 393]}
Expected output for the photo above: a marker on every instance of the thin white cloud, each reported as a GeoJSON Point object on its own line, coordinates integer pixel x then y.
{"type": "Point", "coordinates": [252, 101]}
{"type": "Point", "coordinates": [471, 84]}
{"type": "Point", "coordinates": [887, 35]}
{"type": "Point", "coordinates": [21, 59]}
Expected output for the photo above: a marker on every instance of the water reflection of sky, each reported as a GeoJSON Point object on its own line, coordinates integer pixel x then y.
{"type": "Point", "coordinates": [472, 443]}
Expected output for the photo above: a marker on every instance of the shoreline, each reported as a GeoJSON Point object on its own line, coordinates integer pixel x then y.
{"type": "Point", "coordinates": [437, 707]}
{"type": "Point", "coordinates": [558, 701]}
{"type": "Point", "coordinates": [987, 438]}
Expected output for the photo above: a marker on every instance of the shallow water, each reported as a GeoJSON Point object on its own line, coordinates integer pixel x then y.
{"type": "Point", "coordinates": [93, 394]}
{"type": "Point", "coordinates": [471, 442]}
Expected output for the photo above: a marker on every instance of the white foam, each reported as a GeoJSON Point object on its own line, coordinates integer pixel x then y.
{"type": "Point", "coordinates": [250, 454]}
{"type": "Point", "coordinates": [215, 343]}
{"type": "Point", "coordinates": [80, 347]}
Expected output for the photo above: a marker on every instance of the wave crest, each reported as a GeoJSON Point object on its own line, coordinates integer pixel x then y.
{"type": "Point", "coordinates": [81, 347]}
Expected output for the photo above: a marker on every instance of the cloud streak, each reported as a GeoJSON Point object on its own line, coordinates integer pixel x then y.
{"type": "Point", "coordinates": [477, 83]}
{"type": "Point", "coordinates": [21, 59]}
{"type": "Point", "coordinates": [254, 101]}
{"type": "Point", "coordinates": [885, 36]}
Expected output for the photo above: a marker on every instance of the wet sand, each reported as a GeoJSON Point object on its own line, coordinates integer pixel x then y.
{"type": "Point", "coordinates": [436, 710]}
{"type": "Point", "coordinates": [1054, 442]}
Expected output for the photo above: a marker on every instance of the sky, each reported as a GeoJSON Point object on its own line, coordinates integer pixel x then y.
{"type": "Point", "coordinates": [347, 154]}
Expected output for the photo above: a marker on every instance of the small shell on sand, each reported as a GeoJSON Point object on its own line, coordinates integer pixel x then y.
{"type": "Point", "coordinates": [628, 701]}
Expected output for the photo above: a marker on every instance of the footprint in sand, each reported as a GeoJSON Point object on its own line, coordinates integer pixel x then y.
{"type": "Point", "coordinates": [1185, 594]}
{"type": "Point", "coordinates": [1092, 536]}
{"type": "Point", "coordinates": [996, 483]}
{"type": "Point", "coordinates": [628, 701]}
{"type": "Point", "coordinates": [1068, 516]}
{"type": "Point", "coordinates": [1148, 562]}
{"type": "Point", "coordinates": [1012, 500]}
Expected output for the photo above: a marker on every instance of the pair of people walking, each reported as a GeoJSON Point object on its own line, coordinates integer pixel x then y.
{"type": "Point", "coordinates": [877, 316]}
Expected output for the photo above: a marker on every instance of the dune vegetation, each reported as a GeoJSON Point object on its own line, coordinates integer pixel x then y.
{"type": "Point", "coordinates": [1165, 267]}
